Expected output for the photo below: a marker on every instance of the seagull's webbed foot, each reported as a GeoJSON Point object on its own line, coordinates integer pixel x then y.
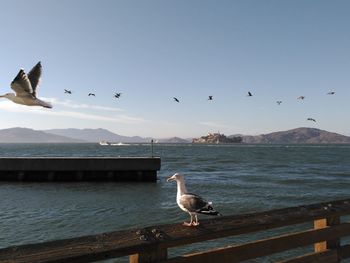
{"type": "Point", "coordinates": [187, 223]}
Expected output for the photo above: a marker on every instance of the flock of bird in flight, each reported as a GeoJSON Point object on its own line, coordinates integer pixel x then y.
{"type": "Point", "coordinates": [25, 86]}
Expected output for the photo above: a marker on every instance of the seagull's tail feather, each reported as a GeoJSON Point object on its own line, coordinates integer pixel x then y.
{"type": "Point", "coordinates": [209, 210]}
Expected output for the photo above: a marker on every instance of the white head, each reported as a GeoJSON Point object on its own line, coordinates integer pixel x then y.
{"type": "Point", "coordinates": [176, 177]}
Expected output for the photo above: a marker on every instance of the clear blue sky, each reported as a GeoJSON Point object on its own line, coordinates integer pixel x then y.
{"type": "Point", "coordinates": [152, 51]}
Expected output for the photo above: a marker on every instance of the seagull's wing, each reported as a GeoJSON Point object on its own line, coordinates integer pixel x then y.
{"type": "Point", "coordinates": [34, 76]}
{"type": "Point", "coordinates": [21, 84]}
{"type": "Point", "coordinates": [193, 203]}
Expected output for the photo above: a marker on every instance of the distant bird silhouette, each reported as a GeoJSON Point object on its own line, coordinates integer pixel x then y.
{"type": "Point", "coordinates": [331, 93]}
{"type": "Point", "coordinates": [176, 99]}
{"type": "Point", "coordinates": [311, 119]}
{"type": "Point", "coordinates": [301, 98]}
{"type": "Point", "coordinates": [117, 95]}
{"type": "Point", "coordinates": [25, 87]}
{"type": "Point", "coordinates": [92, 94]}
{"type": "Point", "coordinates": [249, 94]}
{"type": "Point", "coordinates": [67, 91]}
{"type": "Point", "coordinates": [210, 98]}
{"type": "Point", "coordinates": [279, 102]}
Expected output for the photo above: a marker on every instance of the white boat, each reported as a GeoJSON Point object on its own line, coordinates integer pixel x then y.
{"type": "Point", "coordinates": [105, 143]}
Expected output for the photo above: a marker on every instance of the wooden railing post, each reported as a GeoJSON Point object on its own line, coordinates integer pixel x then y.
{"type": "Point", "coordinates": [151, 256]}
{"type": "Point", "coordinates": [328, 244]}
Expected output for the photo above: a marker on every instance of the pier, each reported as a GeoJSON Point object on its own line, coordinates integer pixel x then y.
{"type": "Point", "coordinates": [318, 227]}
{"type": "Point", "coordinates": [68, 169]}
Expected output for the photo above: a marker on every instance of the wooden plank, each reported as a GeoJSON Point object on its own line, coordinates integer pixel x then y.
{"type": "Point", "coordinates": [326, 256]}
{"type": "Point", "coordinates": [122, 243]}
{"type": "Point", "coordinates": [265, 247]}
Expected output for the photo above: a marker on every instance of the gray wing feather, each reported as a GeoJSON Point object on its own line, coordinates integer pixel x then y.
{"type": "Point", "coordinates": [192, 202]}
{"type": "Point", "coordinates": [34, 76]}
{"type": "Point", "coordinates": [21, 84]}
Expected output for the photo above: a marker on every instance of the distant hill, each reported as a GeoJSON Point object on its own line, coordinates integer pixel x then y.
{"type": "Point", "coordinates": [299, 135]}
{"type": "Point", "coordinates": [24, 135]}
{"type": "Point", "coordinates": [173, 140]}
{"type": "Point", "coordinates": [96, 135]}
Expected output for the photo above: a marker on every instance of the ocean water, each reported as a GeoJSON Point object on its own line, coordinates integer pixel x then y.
{"type": "Point", "coordinates": [236, 178]}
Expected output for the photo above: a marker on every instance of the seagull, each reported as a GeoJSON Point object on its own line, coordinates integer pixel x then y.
{"type": "Point", "coordinates": [25, 87]}
{"type": "Point", "coordinates": [117, 95]}
{"type": "Point", "coordinates": [92, 94]}
{"type": "Point", "coordinates": [176, 99]}
{"type": "Point", "coordinates": [331, 93]}
{"type": "Point", "coordinates": [67, 91]}
{"type": "Point", "coordinates": [210, 98]}
{"type": "Point", "coordinates": [301, 98]}
{"type": "Point", "coordinates": [249, 94]}
{"type": "Point", "coordinates": [191, 203]}
{"type": "Point", "coordinates": [311, 119]}
{"type": "Point", "coordinates": [279, 102]}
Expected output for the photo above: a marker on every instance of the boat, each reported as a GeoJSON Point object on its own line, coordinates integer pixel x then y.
{"type": "Point", "coordinates": [105, 143]}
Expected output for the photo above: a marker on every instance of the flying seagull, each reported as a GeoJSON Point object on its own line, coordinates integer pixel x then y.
{"type": "Point", "coordinates": [25, 87]}
{"type": "Point", "coordinates": [249, 94]}
{"type": "Point", "coordinates": [331, 93]}
{"type": "Point", "coordinates": [301, 98]}
{"type": "Point", "coordinates": [67, 91]}
{"type": "Point", "coordinates": [210, 98]}
{"type": "Point", "coordinates": [191, 203]}
{"type": "Point", "coordinates": [279, 102]}
{"type": "Point", "coordinates": [92, 94]}
{"type": "Point", "coordinates": [311, 119]}
{"type": "Point", "coordinates": [176, 99]}
{"type": "Point", "coordinates": [117, 95]}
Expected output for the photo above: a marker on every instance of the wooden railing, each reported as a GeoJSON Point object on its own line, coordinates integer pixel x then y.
{"type": "Point", "coordinates": [151, 243]}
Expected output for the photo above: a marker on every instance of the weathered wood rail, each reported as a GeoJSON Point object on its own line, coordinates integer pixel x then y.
{"type": "Point", "coordinates": [151, 243]}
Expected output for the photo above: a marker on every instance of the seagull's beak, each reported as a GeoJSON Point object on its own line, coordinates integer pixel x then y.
{"type": "Point", "coordinates": [170, 179]}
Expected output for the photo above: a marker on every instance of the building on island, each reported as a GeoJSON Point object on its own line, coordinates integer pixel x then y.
{"type": "Point", "coordinates": [217, 138]}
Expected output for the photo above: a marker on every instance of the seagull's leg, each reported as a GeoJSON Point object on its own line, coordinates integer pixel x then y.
{"type": "Point", "coordinates": [195, 223]}
{"type": "Point", "coordinates": [190, 223]}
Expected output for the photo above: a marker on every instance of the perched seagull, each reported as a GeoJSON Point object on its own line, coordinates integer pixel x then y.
{"type": "Point", "coordinates": [67, 91]}
{"type": "Point", "coordinates": [301, 98]}
{"type": "Point", "coordinates": [249, 94]}
{"type": "Point", "coordinates": [279, 102]}
{"type": "Point", "coordinates": [176, 99]}
{"type": "Point", "coordinates": [25, 87]}
{"type": "Point", "coordinates": [210, 98]}
{"type": "Point", "coordinates": [191, 203]}
{"type": "Point", "coordinates": [92, 94]}
{"type": "Point", "coordinates": [331, 93]}
{"type": "Point", "coordinates": [311, 119]}
{"type": "Point", "coordinates": [117, 95]}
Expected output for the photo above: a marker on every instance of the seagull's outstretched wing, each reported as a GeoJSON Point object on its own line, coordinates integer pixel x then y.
{"type": "Point", "coordinates": [21, 84]}
{"type": "Point", "coordinates": [34, 76]}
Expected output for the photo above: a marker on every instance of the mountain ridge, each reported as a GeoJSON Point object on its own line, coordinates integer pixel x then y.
{"type": "Point", "coordinates": [302, 135]}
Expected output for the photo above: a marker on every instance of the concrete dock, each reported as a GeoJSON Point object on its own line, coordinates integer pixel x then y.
{"type": "Point", "coordinates": [51, 169]}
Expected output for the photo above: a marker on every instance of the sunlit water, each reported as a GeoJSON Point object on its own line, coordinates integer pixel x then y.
{"type": "Point", "coordinates": [236, 178]}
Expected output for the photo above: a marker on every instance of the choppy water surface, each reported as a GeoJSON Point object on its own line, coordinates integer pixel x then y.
{"type": "Point", "coordinates": [236, 178]}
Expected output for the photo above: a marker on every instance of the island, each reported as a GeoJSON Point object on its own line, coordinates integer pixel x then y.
{"type": "Point", "coordinates": [217, 138]}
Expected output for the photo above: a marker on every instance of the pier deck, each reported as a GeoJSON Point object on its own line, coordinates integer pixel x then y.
{"type": "Point", "coordinates": [79, 169]}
